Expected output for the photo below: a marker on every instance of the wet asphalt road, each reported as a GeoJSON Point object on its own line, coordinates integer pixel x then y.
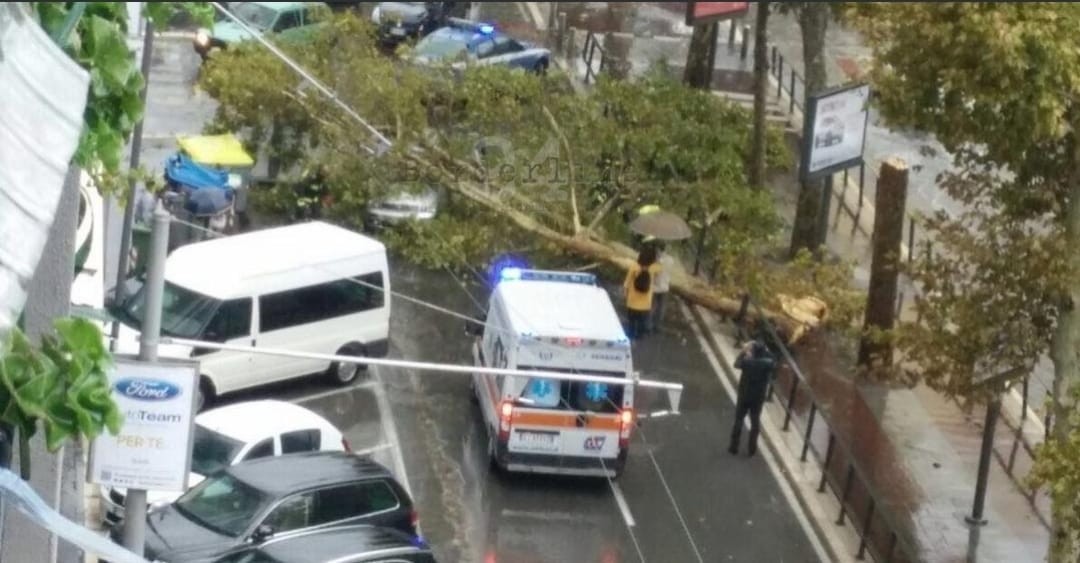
{"type": "Point", "coordinates": [732, 506]}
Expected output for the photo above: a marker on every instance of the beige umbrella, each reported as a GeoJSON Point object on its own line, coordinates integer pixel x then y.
{"type": "Point", "coordinates": [662, 225]}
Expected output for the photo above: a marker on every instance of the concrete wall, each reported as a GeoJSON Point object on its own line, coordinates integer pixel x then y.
{"type": "Point", "coordinates": [58, 478]}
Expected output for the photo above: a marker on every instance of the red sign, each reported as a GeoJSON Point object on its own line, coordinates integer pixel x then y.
{"type": "Point", "coordinates": [698, 13]}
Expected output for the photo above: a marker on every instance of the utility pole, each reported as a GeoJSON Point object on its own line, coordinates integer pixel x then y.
{"type": "Point", "coordinates": [993, 409]}
{"type": "Point", "coordinates": [136, 148]}
{"type": "Point", "coordinates": [134, 532]}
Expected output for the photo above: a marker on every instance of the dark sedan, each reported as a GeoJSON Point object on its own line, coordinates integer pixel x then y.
{"type": "Point", "coordinates": [401, 21]}
{"type": "Point", "coordinates": [271, 498]}
{"type": "Point", "coordinates": [348, 544]}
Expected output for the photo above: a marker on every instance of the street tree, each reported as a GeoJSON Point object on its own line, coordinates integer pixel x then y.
{"type": "Point", "coordinates": [1001, 93]}
{"type": "Point", "coordinates": [813, 18]}
{"type": "Point", "coordinates": [699, 56]}
{"type": "Point", "coordinates": [527, 162]}
{"type": "Point", "coordinates": [761, 85]}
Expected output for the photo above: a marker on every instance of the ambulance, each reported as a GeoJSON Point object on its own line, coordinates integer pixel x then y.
{"type": "Point", "coordinates": [554, 322]}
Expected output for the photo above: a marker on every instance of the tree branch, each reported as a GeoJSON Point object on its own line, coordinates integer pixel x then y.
{"type": "Point", "coordinates": [570, 161]}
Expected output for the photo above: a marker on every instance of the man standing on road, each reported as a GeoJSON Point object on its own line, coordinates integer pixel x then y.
{"type": "Point", "coordinates": [757, 366]}
{"type": "Point", "coordinates": [662, 286]}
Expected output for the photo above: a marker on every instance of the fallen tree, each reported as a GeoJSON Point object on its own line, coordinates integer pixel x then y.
{"type": "Point", "coordinates": [526, 161]}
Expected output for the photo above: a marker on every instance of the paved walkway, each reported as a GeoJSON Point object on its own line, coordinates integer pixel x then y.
{"type": "Point", "coordinates": [916, 451]}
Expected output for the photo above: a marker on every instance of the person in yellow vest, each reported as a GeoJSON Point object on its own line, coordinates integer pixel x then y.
{"type": "Point", "coordinates": [638, 288]}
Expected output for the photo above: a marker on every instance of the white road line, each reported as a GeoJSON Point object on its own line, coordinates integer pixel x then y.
{"type": "Point", "coordinates": [623, 506]}
{"type": "Point", "coordinates": [332, 392]}
{"type": "Point", "coordinates": [766, 453]}
{"type": "Point", "coordinates": [390, 429]}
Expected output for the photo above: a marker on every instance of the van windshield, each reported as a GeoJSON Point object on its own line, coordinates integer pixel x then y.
{"type": "Point", "coordinates": [184, 313]}
{"type": "Point", "coordinates": [573, 395]}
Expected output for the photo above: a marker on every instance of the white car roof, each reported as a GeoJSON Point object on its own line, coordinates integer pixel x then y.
{"type": "Point", "coordinates": [254, 420]}
{"type": "Point", "coordinates": [237, 265]}
{"type": "Point", "coordinates": [553, 309]}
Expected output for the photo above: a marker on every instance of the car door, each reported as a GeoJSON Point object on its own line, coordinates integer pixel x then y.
{"type": "Point", "coordinates": [506, 51]}
{"type": "Point", "coordinates": [292, 514]}
{"type": "Point", "coordinates": [231, 324]}
{"type": "Point", "coordinates": [366, 502]}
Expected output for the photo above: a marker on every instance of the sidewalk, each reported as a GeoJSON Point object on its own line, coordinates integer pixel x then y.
{"type": "Point", "coordinates": [917, 450]}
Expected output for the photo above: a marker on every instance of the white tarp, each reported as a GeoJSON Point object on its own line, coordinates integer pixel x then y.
{"type": "Point", "coordinates": [41, 116]}
{"type": "Point", "coordinates": [18, 492]}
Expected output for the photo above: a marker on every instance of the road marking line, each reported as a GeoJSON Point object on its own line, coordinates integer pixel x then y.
{"type": "Point", "coordinates": [624, 507]}
{"type": "Point", "coordinates": [332, 392]}
{"type": "Point", "coordinates": [390, 428]}
{"type": "Point", "coordinates": [766, 453]}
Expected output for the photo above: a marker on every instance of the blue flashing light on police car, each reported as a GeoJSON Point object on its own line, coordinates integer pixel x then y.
{"type": "Point", "coordinates": [486, 28]}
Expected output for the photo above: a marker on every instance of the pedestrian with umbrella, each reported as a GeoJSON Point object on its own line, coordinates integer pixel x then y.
{"type": "Point", "coordinates": [638, 288]}
{"type": "Point", "coordinates": [653, 226]}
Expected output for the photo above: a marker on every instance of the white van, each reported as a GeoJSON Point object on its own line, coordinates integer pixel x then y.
{"type": "Point", "coordinates": [292, 287]}
{"type": "Point", "coordinates": [559, 322]}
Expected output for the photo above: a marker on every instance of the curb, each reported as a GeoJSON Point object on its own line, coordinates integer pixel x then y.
{"type": "Point", "coordinates": [837, 549]}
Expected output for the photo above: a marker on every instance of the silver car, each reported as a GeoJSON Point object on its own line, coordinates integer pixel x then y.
{"type": "Point", "coordinates": [420, 206]}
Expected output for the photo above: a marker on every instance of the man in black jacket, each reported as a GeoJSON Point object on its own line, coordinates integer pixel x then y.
{"type": "Point", "coordinates": [757, 366]}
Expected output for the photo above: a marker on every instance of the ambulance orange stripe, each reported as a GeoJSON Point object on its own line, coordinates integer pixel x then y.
{"type": "Point", "coordinates": [552, 419]}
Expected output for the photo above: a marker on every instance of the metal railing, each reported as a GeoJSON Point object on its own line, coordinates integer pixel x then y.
{"type": "Point", "coordinates": [588, 55]}
{"type": "Point", "coordinates": [879, 535]}
{"type": "Point", "coordinates": [795, 83]}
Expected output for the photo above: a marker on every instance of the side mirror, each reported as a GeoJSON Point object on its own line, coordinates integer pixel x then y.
{"type": "Point", "coordinates": [262, 533]}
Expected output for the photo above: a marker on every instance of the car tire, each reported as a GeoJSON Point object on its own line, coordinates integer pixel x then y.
{"type": "Point", "coordinates": [541, 67]}
{"type": "Point", "coordinates": [204, 395]}
{"type": "Point", "coordinates": [345, 374]}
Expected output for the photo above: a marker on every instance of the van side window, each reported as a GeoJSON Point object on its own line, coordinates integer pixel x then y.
{"type": "Point", "coordinates": [232, 320]}
{"type": "Point", "coordinates": [320, 302]}
{"type": "Point", "coordinates": [300, 441]}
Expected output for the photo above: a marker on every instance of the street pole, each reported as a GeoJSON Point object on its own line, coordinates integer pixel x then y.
{"type": "Point", "coordinates": [134, 531]}
{"type": "Point", "coordinates": [136, 148]}
{"type": "Point", "coordinates": [993, 409]}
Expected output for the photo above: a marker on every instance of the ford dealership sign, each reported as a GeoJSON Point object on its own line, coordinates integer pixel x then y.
{"type": "Point", "coordinates": [146, 389]}
{"type": "Point", "coordinates": [153, 449]}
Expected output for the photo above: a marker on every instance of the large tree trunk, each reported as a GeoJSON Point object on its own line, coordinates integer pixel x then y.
{"type": "Point", "coordinates": [813, 22]}
{"type": "Point", "coordinates": [617, 46]}
{"type": "Point", "coordinates": [700, 58]}
{"type": "Point", "coordinates": [761, 87]}
{"type": "Point", "coordinates": [682, 283]}
{"type": "Point", "coordinates": [1065, 351]}
{"type": "Point", "coordinates": [874, 352]}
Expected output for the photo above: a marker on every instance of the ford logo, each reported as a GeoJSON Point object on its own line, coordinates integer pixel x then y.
{"type": "Point", "coordinates": [146, 389]}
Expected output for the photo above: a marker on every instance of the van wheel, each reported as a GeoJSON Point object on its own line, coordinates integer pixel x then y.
{"type": "Point", "coordinates": [343, 373]}
{"type": "Point", "coordinates": [204, 395]}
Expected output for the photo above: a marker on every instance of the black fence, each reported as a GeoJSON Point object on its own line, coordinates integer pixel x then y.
{"type": "Point", "coordinates": [842, 476]}
{"type": "Point", "coordinates": [592, 52]}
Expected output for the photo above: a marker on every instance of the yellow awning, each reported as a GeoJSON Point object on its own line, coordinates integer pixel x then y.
{"type": "Point", "coordinates": [217, 150]}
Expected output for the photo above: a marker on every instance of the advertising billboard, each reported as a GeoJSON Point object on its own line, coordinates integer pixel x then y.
{"type": "Point", "coordinates": [698, 13]}
{"type": "Point", "coordinates": [153, 449]}
{"type": "Point", "coordinates": [835, 130]}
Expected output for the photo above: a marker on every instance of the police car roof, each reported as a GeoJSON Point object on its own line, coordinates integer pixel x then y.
{"type": "Point", "coordinates": [553, 309]}
{"type": "Point", "coordinates": [469, 35]}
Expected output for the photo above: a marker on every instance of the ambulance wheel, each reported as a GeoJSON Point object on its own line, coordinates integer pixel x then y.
{"type": "Point", "coordinates": [346, 373]}
{"type": "Point", "coordinates": [493, 456]}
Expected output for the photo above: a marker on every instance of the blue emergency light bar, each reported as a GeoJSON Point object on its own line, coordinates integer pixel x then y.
{"type": "Point", "coordinates": [519, 274]}
{"type": "Point", "coordinates": [476, 27]}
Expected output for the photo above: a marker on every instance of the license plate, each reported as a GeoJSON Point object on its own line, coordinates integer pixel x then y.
{"type": "Point", "coordinates": [398, 31]}
{"type": "Point", "coordinates": [541, 441]}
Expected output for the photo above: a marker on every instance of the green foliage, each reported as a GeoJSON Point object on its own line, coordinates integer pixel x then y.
{"type": "Point", "coordinates": [61, 387]}
{"type": "Point", "coordinates": [547, 148]}
{"type": "Point", "coordinates": [1056, 469]}
{"type": "Point", "coordinates": [98, 43]}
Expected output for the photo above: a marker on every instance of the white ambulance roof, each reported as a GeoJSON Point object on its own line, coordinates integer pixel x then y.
{"type": "Point", "coordinates": [253, 263]}
{"type": "Point", "coordinates": [551, 309]}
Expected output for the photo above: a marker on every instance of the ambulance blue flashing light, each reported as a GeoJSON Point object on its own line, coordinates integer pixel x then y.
{"type": "Point", "coordinates": [486, 28]}
{"type": "Point", "coordinates": [509, 274]}
{"type": "Point", "coordinates": [515, 273]}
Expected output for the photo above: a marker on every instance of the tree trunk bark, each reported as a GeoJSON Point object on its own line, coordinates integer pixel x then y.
{"type": "Point", "coordinates": [761, 87]}
{"type": "Point", "coordinates": [617, 46]}
{"type": "Point", "coordinates": [875, 353]}
{"type": "Point", "coordinates": [1065, 352]}
{"type": "Point", "coordinates": [699, 58]}
{"type": "Point", "coordinates": [813, 23]}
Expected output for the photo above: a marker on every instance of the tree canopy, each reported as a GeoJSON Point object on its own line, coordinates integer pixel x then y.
{"type": "Point", "coordinates": [529, 163]}
{"type": "Point", "coordinates": [997, 84]}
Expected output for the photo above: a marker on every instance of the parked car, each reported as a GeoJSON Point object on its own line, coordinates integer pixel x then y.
{"type": "Point", "coordinates": [290, 20]}
{"type": "Point", "coordinates": [401, 21]}
{"type": "Point", "coordinates": [347, 544]}
{"type": "Point", "coordinates": [421, 206]}
{"type": "Point", "coordinates": [238, 433]}
{"type": "Point", "coordinates": [266, 499]}
{"type": "Point", "coordinates": [464, 43]}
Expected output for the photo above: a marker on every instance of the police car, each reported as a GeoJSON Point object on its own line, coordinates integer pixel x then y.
{"type": "Point", "coordinates": [464, 43]}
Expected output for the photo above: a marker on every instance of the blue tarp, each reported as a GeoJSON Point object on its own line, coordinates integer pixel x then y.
{"type": "Point", "coordinates": [180, 169]}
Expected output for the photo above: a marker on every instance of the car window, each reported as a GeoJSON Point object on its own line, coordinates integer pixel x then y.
{"type": "Point", "coordinates": [320, 302]}
{"type": "Point", "coordinates": [293, 513]}
{"type": "Point", "coordinates": [259, 17]}
{"type": "Point", "coordinates": [232, 320]}
{"type": "Point", "coordinates": [300, 441]}
{"type": "Point", "coordinates": [184, 313]}
{"type": "Point", "coordinates": [212, 451]}
{"type": "Point", "coordinates": [224, 504]}
{"type": "Point", "coordinates": [262, 449]}
{"type": "Point", "coordinates": [287, 20]}
{"type": "Point", "coordinates": [504, 45]}
{"type": "Point", "coordinates": [351, 501]}
{"type": "Point", "coordinates": [485, 49]}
